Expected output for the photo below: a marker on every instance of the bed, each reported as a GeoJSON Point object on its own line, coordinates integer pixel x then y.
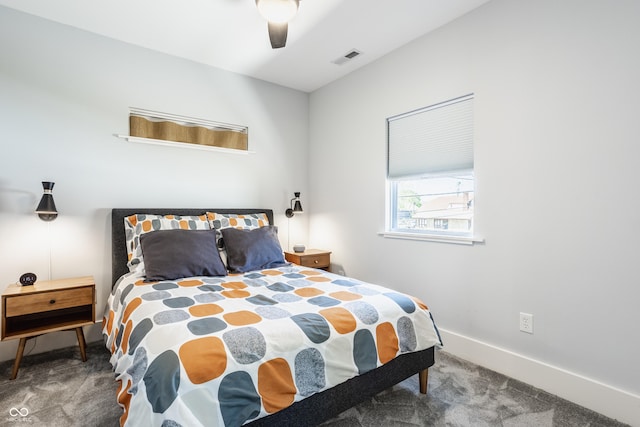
{"type": "Point", "coordinates": [276, 344]}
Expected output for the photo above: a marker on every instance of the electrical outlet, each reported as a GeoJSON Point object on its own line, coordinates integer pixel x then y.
{"type": "Point", "coordinates": [526, 322]}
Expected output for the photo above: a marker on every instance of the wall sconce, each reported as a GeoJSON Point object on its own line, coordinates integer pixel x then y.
{"type": "Point", "coordinates": [295, 206]}
{"type": "Point", "coordinates": [46, 209]}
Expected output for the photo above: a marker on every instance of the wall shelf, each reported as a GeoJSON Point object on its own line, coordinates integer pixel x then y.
{"type": "Point", "coordinates": [158, 128]}
{"type": "Point", "coordinates": [182, 145]}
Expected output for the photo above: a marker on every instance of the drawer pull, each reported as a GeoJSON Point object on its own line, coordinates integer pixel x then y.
{"type": "Point", "coordinates": [52, 301]}
{"type": "Point", "coordinates": [315, 261]}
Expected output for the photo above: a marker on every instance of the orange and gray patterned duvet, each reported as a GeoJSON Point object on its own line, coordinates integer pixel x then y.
{"type": "Point", "coordinates": [222, 351]}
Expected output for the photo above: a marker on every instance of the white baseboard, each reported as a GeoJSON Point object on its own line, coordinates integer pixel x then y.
{"type": "Point", "coordinates": [602, 398]}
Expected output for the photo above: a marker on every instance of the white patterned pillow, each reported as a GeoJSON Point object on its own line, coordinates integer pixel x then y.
{"type": "Point", "coordinates": [139, 224]}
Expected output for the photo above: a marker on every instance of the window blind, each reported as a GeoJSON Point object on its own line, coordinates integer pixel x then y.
{"type": "Point", "coordinates": [431, 140]}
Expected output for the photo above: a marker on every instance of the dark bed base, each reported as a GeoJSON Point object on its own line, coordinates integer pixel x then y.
{"type": "Point", "coordinates": [321, 406]}
{"type": "Point", "coordinates": [327, 404]}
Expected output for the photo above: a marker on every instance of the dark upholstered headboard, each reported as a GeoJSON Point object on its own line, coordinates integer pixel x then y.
{"type": "Point", "coordinates": [118, 241]}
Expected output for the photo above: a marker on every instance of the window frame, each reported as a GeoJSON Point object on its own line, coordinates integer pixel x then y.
{"type": "Point", "coordinates": [391, 194]}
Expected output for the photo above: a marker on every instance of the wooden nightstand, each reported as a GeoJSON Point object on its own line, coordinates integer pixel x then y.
{"type": "Point", "coordinates": [47, 306]}
{"type": "Point", "coordinates": [315, 258]}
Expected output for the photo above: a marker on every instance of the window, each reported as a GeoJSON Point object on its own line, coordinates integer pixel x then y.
{"type": "Point", "coordinates": [430, 170]}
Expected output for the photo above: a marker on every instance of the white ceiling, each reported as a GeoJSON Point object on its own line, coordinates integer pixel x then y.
{"type": "Point", "coordinates": [230, 34]}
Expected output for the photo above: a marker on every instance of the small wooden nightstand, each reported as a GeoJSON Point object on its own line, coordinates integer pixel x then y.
{"type": "Point", "coordinates": [315, 258]}
{"type": "Point", "coordinates": [47, 306]}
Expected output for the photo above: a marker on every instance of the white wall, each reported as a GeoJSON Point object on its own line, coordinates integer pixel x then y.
{"type": "Point", "coordinates": [65, 92]}
{"type": "Point", "coordinates": [556, 147]}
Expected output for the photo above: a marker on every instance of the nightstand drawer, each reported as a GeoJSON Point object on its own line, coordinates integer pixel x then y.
{"type": "Point", "coordinates": [315, 258]}
{"type": "Point", "coordinates": [47, 301]}
{"type": "Point", "coordinates": [316, 261]}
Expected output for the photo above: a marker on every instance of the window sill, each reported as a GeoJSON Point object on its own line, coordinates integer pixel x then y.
{"type": "Point", "coordinates": [460, 240]}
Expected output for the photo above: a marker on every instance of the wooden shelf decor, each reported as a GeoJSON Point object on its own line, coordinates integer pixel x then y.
{"type": "Point", "coordinates": [168, 129]}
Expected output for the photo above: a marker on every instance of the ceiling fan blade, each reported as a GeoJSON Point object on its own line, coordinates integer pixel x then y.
{"type": "Point", "coordinates": [277, 34]}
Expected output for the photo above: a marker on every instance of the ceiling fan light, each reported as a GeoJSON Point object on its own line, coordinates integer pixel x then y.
{"type": "Point", "coordinates": [278, 11]}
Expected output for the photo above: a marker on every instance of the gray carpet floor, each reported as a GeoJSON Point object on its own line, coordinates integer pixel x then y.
{"type": "Point", "coordinates": [58, 389]}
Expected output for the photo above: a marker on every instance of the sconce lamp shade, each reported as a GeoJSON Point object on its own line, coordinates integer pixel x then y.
{"type": "Point", "coordinates": [46, 209]}
{"type": "Point", "coordinates": [295, 206]}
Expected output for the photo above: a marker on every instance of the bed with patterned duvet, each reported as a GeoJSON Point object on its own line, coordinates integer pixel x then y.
{"type": "Point", "coordinates": [211, 326]}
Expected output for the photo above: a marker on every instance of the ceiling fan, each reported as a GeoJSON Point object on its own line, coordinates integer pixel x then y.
{"type": "Point", "coordinates": [278, 13]}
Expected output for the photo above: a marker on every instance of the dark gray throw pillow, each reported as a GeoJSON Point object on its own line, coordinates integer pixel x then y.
{"type": "Point", "coordinates": [255, 249]}
{"type": "Point", "coordinates": [174, 254]}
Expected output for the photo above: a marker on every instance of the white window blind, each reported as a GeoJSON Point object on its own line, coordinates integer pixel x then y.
{"type": "Point", "coordinates": [432, 140]}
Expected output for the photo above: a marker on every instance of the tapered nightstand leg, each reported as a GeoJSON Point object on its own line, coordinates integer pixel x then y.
{"type": "Point", "coordinates": [16, 364]}
{"type": "Point", "coordinates": [81, 343]}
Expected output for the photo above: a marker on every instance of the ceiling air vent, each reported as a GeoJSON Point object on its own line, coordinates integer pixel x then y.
{"type": "Point", "coordinates": [347, 57]}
